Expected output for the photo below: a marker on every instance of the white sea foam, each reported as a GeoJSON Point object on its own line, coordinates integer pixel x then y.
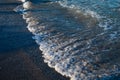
{"type": "Point", "coordinates": [67, 45]}
{"type": "Point", "coordinates": [79, 9]}
{"type": "Point", "coordinates": [22, 0]}
{"type": "Point", "coordinates": [27, 5]}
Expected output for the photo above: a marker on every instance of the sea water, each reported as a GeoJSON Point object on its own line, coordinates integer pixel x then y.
{"type": "Point", "coordinates": [80, 39]}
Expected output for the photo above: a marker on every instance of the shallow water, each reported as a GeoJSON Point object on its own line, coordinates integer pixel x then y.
{"type": "Point", "coordinates": [79, 38]}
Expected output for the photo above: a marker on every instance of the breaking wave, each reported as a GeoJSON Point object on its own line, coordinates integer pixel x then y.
{"type": "Point", "coordinates": [80, 39]}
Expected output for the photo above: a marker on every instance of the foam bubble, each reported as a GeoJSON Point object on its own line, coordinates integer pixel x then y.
{"type": "Point", "coordinates": [27, 5]}
{"type": "Point", "coordinates": [23, 0]}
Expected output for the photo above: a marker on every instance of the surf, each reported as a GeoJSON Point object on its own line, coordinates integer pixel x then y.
{"type": "Point", "coordinates": [74, 40]}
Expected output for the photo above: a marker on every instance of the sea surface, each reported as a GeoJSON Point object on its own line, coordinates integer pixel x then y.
{"type": "Point", "coordinates": [80, 39]}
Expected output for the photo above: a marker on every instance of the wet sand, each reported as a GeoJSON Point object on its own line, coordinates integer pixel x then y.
{"type": "Point", "coordinates": [20, 58]}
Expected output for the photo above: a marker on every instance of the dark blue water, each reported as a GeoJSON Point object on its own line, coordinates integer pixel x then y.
{"type": "Point", "coordinates": [80, 39]}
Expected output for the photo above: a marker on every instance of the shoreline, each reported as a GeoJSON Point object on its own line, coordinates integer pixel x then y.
{"type": "Point", "coordinates": [20, 57]}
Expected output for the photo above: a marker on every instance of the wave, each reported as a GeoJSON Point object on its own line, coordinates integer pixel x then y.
{"type": "Point", "coordinates": [77, 42]}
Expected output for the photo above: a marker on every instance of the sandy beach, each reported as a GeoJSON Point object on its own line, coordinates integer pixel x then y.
{"type": "Point", "coordinates": [20, 57]}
